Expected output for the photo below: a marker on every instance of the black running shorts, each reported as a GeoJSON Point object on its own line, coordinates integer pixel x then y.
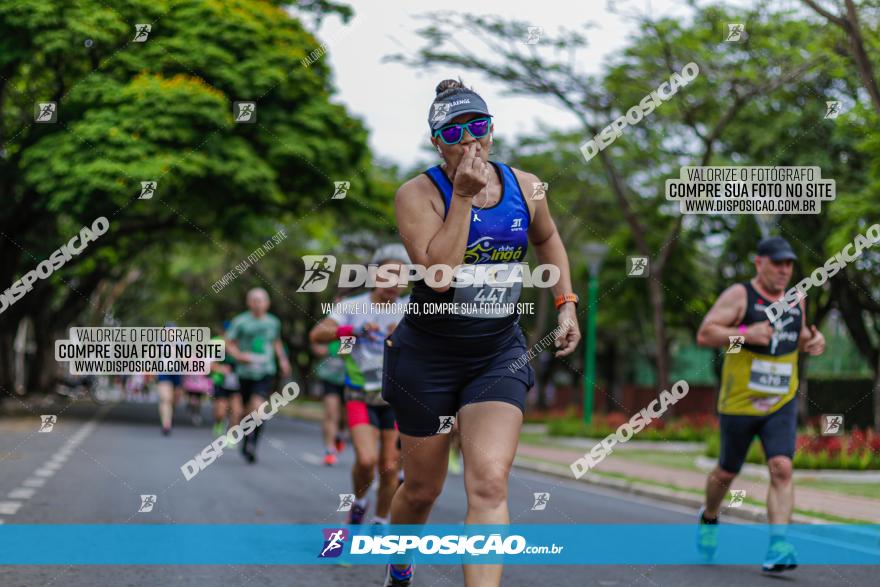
{"type": "Point", "coordinates": [259, 387]}
{"type": "Point", "coordinates": [427, 377]}
{"type": "Point", "coordinates": [777, 432]}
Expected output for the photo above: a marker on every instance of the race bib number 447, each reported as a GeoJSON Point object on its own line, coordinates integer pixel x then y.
{"type": "Point", "coordinates": [496, 297]}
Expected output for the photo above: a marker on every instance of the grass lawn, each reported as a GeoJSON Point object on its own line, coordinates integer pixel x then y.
{"type": "Point", "coordinates": [677, 460]}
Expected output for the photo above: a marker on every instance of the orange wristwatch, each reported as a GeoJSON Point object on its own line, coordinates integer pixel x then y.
{"type": "Point", "coordinates": [566, 298]}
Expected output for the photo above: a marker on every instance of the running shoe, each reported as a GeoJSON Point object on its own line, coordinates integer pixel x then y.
{"type": "Point", "coordinates": [330, 459]}
{"type": "Point", "coordinates": [219, 429]}
{"type": "Point", "coordinates": [707, 536]}
{"type": "Point", "coordinates": [340, 444]}
{"type": "Point", "coordinates": [166, 431]}
{"type": "Point", "coordinates": [398, 578]}
{"type": "Point", "coordinates": [781, 556]}
{"type": "Point", "coordinates": [356, 513]}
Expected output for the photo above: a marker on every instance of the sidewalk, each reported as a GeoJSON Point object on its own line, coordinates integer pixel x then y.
{"type": "Point", "coordinates": [834, 504]}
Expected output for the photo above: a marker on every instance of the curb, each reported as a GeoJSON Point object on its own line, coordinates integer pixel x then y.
{"type": "Point", "coordinates": [672, 446]}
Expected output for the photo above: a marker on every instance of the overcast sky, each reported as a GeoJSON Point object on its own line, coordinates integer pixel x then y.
{"type": "Point", "coordinates": [393, 99]}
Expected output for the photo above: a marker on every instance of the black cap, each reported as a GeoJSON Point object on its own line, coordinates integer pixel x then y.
{"type": "Point", "coordinates": [777, 248]}
{"type": "Point", "coordinates": [462, 102]}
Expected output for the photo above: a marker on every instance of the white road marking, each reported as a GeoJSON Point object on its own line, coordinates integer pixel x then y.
{"type": "Point", "coordinates": [51, 466]}
{"type": "Point", "coordinates": [311, 458]}
{"type": "Point", "coordinates": [9, 507]}
{"type": "Point", "coordinates": [21, 493]}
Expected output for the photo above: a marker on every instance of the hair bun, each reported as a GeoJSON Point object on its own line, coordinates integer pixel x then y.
{"type": "Point", "coordinates": [448, 84]}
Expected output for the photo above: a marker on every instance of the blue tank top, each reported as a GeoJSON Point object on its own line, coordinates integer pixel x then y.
{"type": "Point", "coordinates": [498, 234]}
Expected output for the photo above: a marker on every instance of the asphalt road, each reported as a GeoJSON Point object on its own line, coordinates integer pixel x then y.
{"type": "Point", "coordinates": [120, 454]}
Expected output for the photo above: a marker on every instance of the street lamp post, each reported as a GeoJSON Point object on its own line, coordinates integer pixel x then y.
{"type": "Point", "coordinates": [593, 254]}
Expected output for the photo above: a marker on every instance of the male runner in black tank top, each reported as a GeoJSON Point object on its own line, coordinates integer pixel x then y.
{"type": "Point", "coordinates": [758, 387]}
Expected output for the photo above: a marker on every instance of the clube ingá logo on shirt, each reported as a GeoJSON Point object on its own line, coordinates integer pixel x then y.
{"type": "Point", "coordinates": [484, 250]}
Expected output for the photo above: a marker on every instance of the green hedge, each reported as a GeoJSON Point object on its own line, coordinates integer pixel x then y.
{"type": "Point", "coordinates": [572, 427]}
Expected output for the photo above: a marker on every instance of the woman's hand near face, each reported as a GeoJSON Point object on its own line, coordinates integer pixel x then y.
{"type": "Point", "coordinates": [471, 175]}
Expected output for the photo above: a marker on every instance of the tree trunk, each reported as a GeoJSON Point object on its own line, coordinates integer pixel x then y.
{"type": "Point", "coordinates": [849, 23]}
{"type": "Point", "coordinates": [860, 55]}
{"type": "Point", "coordinates": [661, 357]}
{"type": "Point", "coordinates": [803, 393]}
{"type": "Point", "coordinates": [7, 376]}
{"type": "Point", "coordinates": [42, 369]}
